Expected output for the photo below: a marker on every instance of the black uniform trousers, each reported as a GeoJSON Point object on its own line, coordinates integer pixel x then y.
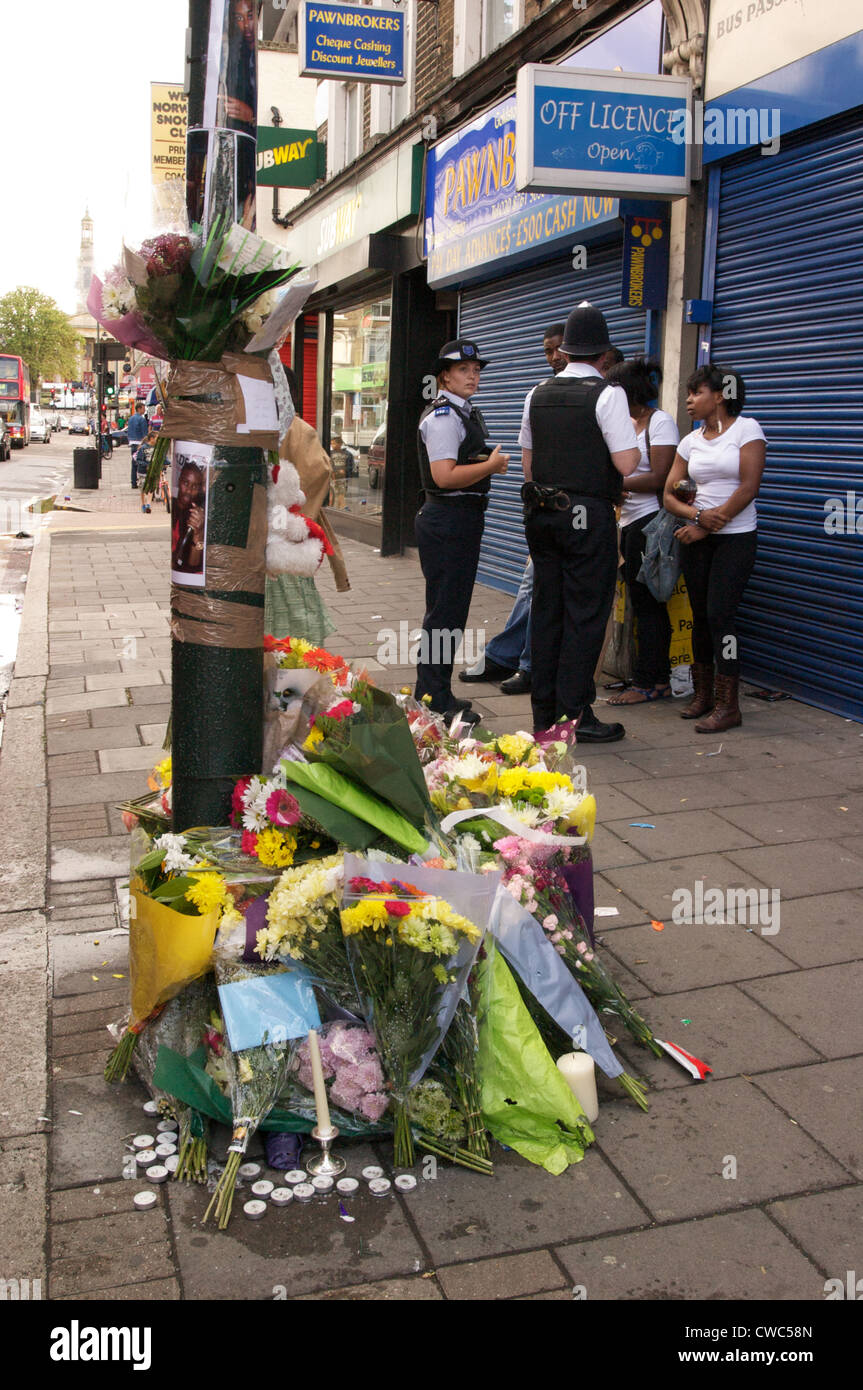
{"type": "Point", "coordinates": [574, 555]}
{"type": "Point", "coordinates": [449, 535]}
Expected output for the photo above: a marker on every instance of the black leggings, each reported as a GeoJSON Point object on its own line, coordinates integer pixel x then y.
{"type": "Point", "coordinates": [654, 628]}
{"type": "Point", "coordinates": [716, 571]}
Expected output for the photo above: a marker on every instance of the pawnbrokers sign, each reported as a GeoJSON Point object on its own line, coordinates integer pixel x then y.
{"type": "Point", "coordinates": [591, 132]}
{"type": "Point", "coordinates": [352, 42]}
{"type": "Point", "coordinates": [289, 158]}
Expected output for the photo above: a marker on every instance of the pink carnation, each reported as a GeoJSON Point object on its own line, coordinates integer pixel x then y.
{"type": "Point", "coordinates": [350, 1044]}
{"type": "Point", "coordinates": [249, 842]}
{"type": "Point", "coordinates": [509, 848]}
{"type": "Point", "coordinates": [368, 1075]}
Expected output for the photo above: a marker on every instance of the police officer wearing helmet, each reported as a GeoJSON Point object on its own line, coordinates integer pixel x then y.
{"type": "Point", "coordinates": [578, 444]}
{"type": "Point", "coordinates": [456, 467]}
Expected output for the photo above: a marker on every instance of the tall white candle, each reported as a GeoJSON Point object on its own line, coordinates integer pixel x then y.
{"type": "Point", "coordinates": [321, 1104]}
{"type": "Point", "coordinates": [580, 1075]}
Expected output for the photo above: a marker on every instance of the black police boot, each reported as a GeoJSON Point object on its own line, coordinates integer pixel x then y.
{"type": "Point", "coordinates": [590, 730]}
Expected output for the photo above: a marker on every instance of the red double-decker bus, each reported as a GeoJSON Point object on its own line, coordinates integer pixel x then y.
{"type": "Point", "coordinates": [15, 399]}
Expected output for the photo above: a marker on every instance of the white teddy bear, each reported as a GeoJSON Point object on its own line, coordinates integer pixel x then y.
{"type": "Point", "coordinates": [293, 543]}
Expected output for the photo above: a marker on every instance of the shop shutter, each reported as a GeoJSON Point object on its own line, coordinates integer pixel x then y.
{"type": "Point", "coordinates": [310, 372]}
{"type": "Point", "coordinates": [788, 315]}
{"type": "Point", "coordinates": [508, 318]}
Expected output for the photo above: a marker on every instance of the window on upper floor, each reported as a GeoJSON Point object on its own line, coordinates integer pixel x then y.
{"type": "Point", "coordinates": [480, 26]}
{"type": "Point", "coordinates": [344, 125]}
{"type": "Point", "coordinates": [390, 104]}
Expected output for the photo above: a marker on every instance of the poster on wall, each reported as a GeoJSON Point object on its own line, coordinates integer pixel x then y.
{"type": "Point", "coordinates": [168, 108]}
{"type": "Point", "coordinates": [190, 474]}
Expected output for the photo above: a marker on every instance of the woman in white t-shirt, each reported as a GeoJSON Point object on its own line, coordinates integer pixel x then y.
{"type": "Point", "coordinates": [657, 436]}
{"type": "Point", "coordinates": [725, 461]}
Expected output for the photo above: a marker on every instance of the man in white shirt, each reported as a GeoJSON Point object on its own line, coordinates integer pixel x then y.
{"type": "Point", "coordinates": [578, 443]}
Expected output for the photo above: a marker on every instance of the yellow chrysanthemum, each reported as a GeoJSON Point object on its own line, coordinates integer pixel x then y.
{"type": "Point", "coordinates": [370, 913]}
{"type": "Point", "coordinates": [315, 736]}
{"type": "Point", "coordinates": [207, 892]}
{"type": "Point", "coordinates": [514, 746]}
{"type": "Point", "coordinates": [275, 848]}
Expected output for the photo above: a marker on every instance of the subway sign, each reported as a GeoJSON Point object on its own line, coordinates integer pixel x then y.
{"type": "Point", "coordinates": [289, 158]}
{"type": "Point", "coordinates": [352, 42]}
{"type": "Point", "coordinates": [584, 131]}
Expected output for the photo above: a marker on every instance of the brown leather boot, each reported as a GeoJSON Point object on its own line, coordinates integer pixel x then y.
{"type": "Point", "coordinates": [702, 681]}
{"type": "Point", "coordinates": [726, 713]}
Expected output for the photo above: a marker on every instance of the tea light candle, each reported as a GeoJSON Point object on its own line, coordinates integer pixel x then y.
{"type": "Point", "coordinates": [347, 1187]}
{"type": "Point", "coordinates": [579, 1073]}
{"type": "Point", "coordinates": [249, 1170]}
{"type": "Point", "coordinates": [143, 1141]}
{"type": "Point", "coordinates": [144, 1157]}
{"type": "Point", "coordinates": [150, 1107]}
{"type": "Point", "coordinates": [372, 1172]}
{"type": "Point", "coordinates": [281, 1196]}
{"type": "Point", "coordinates": [263, 1188]}
{"type": "Point", "coordinates": [165, 1150]}
{"type": "Point", "coordinates": [145, 1201]}
{"type": "Point", "coordinates": [167, 1126]}
{"type": "Point", "coordinates": [172, 1162]}
{"type": "Point", "coordinates": [406, 1182]}
{"type": "Point", "coordinates": [322, 1185]}
{"type": "Point", "coordinates": [304, 1192]}
{"type": "Point", "coordinates": [254, 1210]}
{"type": "Point", "coordinates": [380, 1187]}
{"type": "Point", "coordinates": [322, 1107]}
{"type": "Point", "coordinates": [296, 1176]}
{"type": "Point", "coordinates": [157, 1172]}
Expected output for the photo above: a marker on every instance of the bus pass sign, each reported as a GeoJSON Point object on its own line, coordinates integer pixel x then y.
{"type": "Point", "coordinates": [588, 131]}
{"type": "Point", "coordinates": [352, 42]}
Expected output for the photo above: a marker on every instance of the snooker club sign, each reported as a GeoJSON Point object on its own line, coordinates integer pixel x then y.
{"type": "Point", "coordinates": [352, 42]}
{"type": "Point", "coordinates": [588, 131]}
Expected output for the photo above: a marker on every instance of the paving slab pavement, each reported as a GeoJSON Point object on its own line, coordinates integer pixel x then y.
{"type": "Point", "coordinates": [649, 1212]}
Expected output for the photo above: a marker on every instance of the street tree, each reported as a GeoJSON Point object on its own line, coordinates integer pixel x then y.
{"type": "Point", "coordinates": [34, 328]}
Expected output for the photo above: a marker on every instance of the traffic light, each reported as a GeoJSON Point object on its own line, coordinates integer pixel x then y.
{"type": "Point", "coordinates": [110, 383]}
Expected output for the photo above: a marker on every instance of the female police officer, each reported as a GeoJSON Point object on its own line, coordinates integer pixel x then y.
{"type": "Point", "coordinates": [456, 465]}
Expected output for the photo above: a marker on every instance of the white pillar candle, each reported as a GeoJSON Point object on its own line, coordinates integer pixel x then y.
{"type": "Point", "coordinates": [579, 1074]}
{"type": "Point", "coordinates": [321, 1105]}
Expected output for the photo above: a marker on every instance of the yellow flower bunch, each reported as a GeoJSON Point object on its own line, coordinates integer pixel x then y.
{"type": "Point", "coordinates": [297, 908]}
{"type": "Point", "coordinates": [162, 771]}
{"type": "Point", "coordinates": [516, 779]}
{"type": "Point", "coordinates": [275, 848]}
{"type": "Point", "coordinates": [514, 746]}
{"type": "Point", "coordinates": [371, 912]}
{"type": "Point", "coordinates": [208, 892]}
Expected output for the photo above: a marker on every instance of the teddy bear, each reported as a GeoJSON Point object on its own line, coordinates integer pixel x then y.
{"type": "Point", "coordinates": [295, 545]}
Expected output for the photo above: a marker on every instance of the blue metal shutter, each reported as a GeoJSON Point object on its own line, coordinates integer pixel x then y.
{"type": "Point", "coordinates": [508, 318]}
{"type": "Point", "coordinates": [788, 314]}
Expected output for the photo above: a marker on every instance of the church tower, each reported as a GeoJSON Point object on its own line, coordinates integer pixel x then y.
{"type": "Point", "coordinates": [85, 262]}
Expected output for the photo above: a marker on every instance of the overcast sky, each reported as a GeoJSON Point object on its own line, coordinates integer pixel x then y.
{"type": "Point", "coordinates": [74, 111]}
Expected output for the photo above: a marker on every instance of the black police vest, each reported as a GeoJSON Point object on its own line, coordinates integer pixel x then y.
{"type": "Point", "coordinates": [473, 443]}
{"type": "Point", "coordinates": [569, 450]}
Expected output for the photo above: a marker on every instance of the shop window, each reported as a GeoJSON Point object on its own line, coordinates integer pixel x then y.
{"type": "Point", "coordinates": [358, 405]}
{"type": "Point", "coordinates": [391, 104]}
{"type": "Point", "coordinates": [481, 26]}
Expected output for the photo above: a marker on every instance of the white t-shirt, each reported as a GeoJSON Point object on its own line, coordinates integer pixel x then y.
{"type": "Point", "coordinates": [714, 467]}
{"type": "Point", "coordinates": [612, 412]}
{"type": "Point", "coordinates": [662, 430]}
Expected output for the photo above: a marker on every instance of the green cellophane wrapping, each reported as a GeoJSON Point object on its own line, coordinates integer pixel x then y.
{"type": "Point", "coordinates": [326, 782]}
{"type": "Point", "coordinates": [546, 1124]}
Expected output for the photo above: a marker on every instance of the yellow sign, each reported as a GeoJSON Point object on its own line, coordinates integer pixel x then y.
{"type": "Point", "coordinates": [168, 107]}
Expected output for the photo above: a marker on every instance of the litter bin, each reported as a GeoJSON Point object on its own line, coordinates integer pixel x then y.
{"type": "Point", "coordinates": [85, 464]}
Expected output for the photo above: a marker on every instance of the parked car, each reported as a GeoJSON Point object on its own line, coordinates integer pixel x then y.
{"type": "Point", "coordinates": [377, 457]}
{"type": "Point", "coordinates": [63, 422]}
{"type": "Point", "coordinates": [78, 425]}
{"type": "Point", "coordinates": [40, 430]}
{"type": "Point", "coordinates": [119, 436]}
{"type": "Point", "coordinates": [5, 442]}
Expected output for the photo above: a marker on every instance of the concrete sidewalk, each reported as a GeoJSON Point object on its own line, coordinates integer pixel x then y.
{"type": "Point", "coordinates": [748, 1186]}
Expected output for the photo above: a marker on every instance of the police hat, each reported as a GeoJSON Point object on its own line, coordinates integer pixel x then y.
{"type": "Point", "coordinates": [461, 350]}
{"type": "Point", "coordinates": [586, 333]}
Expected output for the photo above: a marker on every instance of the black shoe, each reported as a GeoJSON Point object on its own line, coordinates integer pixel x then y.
{"type": "Point", "coordinates": [489, 671]}
{"type": "Point", "coordinates": [519, 684]}
{"type": "Point", "coordinates": [590, 730]}
{"type": "Point", "coordinates": [452, 706]}
{"type": "Point", "coordinates": [466, 716]}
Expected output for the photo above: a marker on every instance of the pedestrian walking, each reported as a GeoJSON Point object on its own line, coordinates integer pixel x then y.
{"type": "Point", "coordinates": [507, 656]}
{"type": "Point", "coordinates": [657, 436]}
{"type": "Point", "coordinates": [577, 443]}
{"type": "Point", "coordinates": [725, 460]}
{"type": "Point", "coordinates": [142, 460]}
{"type": "Point", "coordinates": [136, 432]}
{"type": "Point", "coordinates": [456, 467]}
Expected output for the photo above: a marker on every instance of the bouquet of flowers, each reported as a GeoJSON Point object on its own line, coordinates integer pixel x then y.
{"type": "Point", "coordinates": [351, 1068]}
{"type": "Point", "coordinates": [181, 1025]}
{"type": "Point", "coordinates": [303, 924]}
{"type": "Point", "coordinates": [405, 946]}
{"type": "Point", "coordinates": [293, 653]}
{"type": "Point", "coordinates": [448, 1113]}
{"type": "Point", "coordinates": [176, 901]}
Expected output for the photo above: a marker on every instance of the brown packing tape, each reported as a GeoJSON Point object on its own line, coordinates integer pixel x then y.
{"type": "Point", "coordinates": [205, 403]}
{"type": "Point", "coordinates": [231, 568]}
{"type": "Point", "coordinates": [199, 618]}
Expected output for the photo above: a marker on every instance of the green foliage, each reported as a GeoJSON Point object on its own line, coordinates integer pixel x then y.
{"type": "Point", "coordinates": [34, 328]}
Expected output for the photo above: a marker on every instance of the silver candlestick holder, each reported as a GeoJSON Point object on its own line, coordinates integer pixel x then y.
{"type": "Point", "coordinates": [325, 1164]}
